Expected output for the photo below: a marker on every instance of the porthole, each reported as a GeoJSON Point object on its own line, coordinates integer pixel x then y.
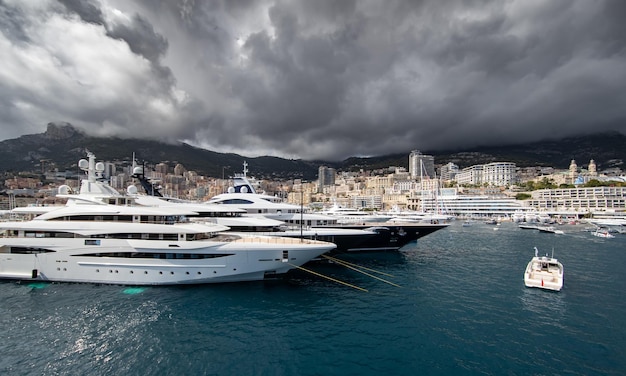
{"type": "Point", "coordinates": [187, 273]}
{"type": "Point", "coordinates": [131, 272]}
{"type": "Point", "coordinates": [64, 269]}
{"type": "Point", "coordinates": [146, 272]}
{"type": "Point", "coordinates": [172, 273]}
{"type": "Point", "coordinates": [97, 270]}
{"type": "Point", "coordinates": [110, 271]}
{"type": "Point", "coordinates": [58, 269]}
{"type": "Point", "coordinates": [199, 273]}
{"type": "Point", "coordinates": [214, 271]}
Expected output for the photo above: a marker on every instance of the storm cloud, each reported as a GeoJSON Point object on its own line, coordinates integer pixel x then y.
{"type": "Point", "coordinates": [315, 79]}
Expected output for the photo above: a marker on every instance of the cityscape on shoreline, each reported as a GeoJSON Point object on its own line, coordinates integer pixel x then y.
{"type": "Point", "coordinates": [478, 190]}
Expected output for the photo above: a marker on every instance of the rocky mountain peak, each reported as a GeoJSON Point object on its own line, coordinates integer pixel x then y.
{"type": "Point", "coordinates": [60, 131]}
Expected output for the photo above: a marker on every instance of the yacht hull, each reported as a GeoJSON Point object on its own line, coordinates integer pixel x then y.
{"type": "Point", "coordinates": [389, 237]}
{"type": "Point", "coordinates": [139, 262]}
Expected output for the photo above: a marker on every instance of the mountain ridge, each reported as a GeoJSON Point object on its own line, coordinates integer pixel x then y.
{"type": "Point", "coordinates": [62, 145]}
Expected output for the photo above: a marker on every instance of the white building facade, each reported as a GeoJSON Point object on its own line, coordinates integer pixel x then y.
{"type": "Point", "coordinates": [497, 174]}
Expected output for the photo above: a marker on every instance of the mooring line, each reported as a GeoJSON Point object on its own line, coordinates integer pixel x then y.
{"type": "Point", "coordinates": [327, 277]}
{"type": "Point", "coordinates": [370, 275]}
{"type": "Point", "coordinates": [339, 261]}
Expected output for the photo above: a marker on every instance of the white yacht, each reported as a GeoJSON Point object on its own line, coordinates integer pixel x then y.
{"type": "Point", "coordinates": [118, 242]}
{"type": "Point", "coordinates": [544, 272]}
{"type": "Point", "coordinates": [349, 237]}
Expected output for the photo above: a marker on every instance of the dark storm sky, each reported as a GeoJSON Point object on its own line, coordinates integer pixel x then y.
{"type": "Point", "coordinates": [315, 79]}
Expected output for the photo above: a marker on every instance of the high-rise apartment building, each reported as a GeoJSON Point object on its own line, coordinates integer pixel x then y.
{"type": "Point", "coordinates": [326, 177]}
{"type": "Point", "coordinates": [421, 166]}
{"type": "Point", "coordinates": [448, 172]}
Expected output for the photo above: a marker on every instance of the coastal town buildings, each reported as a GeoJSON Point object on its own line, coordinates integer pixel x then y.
{"type": "Point", "coordinates": [490, 187]}
{"type": "Point", "coordinates": [584, 200]}
{"type": "Point", "coordinates": [497, 174]}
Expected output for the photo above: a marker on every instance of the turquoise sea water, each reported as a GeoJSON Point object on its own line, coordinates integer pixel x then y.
{"type": "Point", "coordinates": [462, 308]}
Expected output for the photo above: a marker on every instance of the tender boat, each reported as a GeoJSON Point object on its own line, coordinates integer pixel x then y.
{"type": "Point", "coordinates": [602, 232]}
{"type": "Point", "coordinates": [550, 229]}
{"type": "Point", "coordinates": [114, 241]}
{"type": "Point", "coordinates": [544, 272]}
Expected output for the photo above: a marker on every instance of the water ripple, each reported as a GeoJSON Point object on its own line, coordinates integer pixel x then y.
{"type": "Point", "coordinates": [462, 308]}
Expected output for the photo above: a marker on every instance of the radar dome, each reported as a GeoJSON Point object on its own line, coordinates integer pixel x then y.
{"type": "Point", "coordinates": [244, 189]}
{"type": "Point", "coordinates": [231, 189]}
{"type": "Point", "coordinates": [131, 190]}
{"type": "Point", "coordinates": [138, 170]}
{"type": "Point", "coordinates": [99, 166]}
{"type": "Point", "coordinates": [64, 189]}
{"type": "Point", "coordinates": [83, 164]}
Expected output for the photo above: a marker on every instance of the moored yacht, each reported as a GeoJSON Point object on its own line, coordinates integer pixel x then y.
{"type": "Point", "coordinates": [106, 242]}
{"type": "Point", "coordinates": [375, 236]}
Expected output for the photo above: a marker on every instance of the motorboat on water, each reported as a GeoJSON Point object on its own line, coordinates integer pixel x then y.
{"type": "Point", "coordinates": [544, 272]}
{"type": "Point", "coordinates": [602, 232]}
{"type": "Point", "coordinates": [111, 240]}
{"type": "Point", "coordinates": [550, 229]}
{"type": "Point", "coordinates": [528, 227]}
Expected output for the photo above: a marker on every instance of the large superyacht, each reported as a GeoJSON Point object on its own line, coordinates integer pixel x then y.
{"type": "Point", "coordinates": [101, 236]}
{"type": "Point", "coordinates": [384, 235]}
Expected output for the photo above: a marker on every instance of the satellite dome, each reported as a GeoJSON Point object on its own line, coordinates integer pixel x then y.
{"type": "Point", "coordinates": [131, 190]}
{"type": "Point", "coordinates": [83, 164]}
{"type": "Point", "coordinates": [99, 166]}
{"type": "Point", "coordinates": [64, 189]}
{"type": "Point", "coordinates": [231, 189]}
{"type": "Point", "coordinates": [138, 170]}
{"type": "Point", "coordinates": [244, 189]}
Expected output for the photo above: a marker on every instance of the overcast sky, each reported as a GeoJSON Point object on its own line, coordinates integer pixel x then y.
{"type": "Point", "coordinates": [323, 79]}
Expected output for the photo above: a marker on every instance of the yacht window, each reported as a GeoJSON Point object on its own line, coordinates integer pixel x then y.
{"type": "Point", "coordinates": [28, 250]}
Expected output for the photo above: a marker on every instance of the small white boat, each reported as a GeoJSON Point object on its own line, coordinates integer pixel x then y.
{"type": "Point", "coordinates": [550, 229]}
{"type": "Point", "coordinates": [544, 272]}
{"type": "Point", "coordinates": [602, 232]}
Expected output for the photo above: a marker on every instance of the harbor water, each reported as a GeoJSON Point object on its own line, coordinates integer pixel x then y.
{"type": "Point", "coordinates": [457, 305]}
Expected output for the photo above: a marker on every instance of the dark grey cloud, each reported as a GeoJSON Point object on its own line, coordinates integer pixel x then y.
{"type": "Point", "coordinates": [88, 11]}
{"type": "Point", "coordinates": [316, 79]}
